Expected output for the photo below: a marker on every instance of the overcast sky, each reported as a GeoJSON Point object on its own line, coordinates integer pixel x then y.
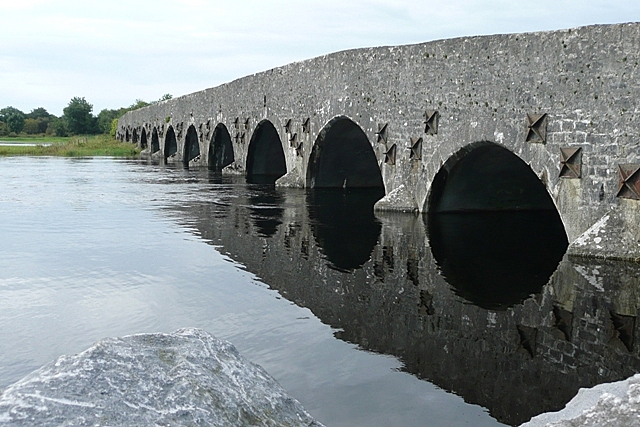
{"type": "Point", "coordinates": [114, 52]}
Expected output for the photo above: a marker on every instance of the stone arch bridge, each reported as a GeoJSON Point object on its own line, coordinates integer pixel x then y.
{"type": "Point", "coordinates": [543, 120]}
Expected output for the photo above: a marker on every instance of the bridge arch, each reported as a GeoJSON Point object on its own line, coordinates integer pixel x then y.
{"type": "Point", "coordinates": [170, 143]}
{"type": "Point", "coordinates": [265, 156]}
{"type": "Point", "coordinates": [135, 136]}
{"type": "Point", "coordinates": [155, 141]}
{"type": "Point", "coordinates": [485, 176]}
{"type": "Point", "coordinates": [143, 139]}
{"type": "Point", "coordinates": [220, 149]}
{"type": "Point", "coordinates": [493, 227]}
{"type": "Point", "coordinates": [342, 157]}
{"type": "Point", "coordinates": [191, 145]}
{"type": "Point", "coordinates": [127, 136]}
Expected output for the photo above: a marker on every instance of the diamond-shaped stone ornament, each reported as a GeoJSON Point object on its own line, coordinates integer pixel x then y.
{"type": "Point", "coordinates": [536, 128]}
{"type": "Point", "coordinates": [390, 155]}
{"type": "Point", "coordinates": [431, 122]}
{"type": "Point", "coordinates": [416, 149]}
{"type": "Point", "coordinates": [629, 181]}
{"type": "Point", "coordinates": [382, 132]}
{"type": "Point", "coordinates": [571, 162]}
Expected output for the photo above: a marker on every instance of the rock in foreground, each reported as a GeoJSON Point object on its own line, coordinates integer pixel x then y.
{"type": "Point", "coordinates": [605, 405]}
{"type": "Point", "coordinates": [188, 378]}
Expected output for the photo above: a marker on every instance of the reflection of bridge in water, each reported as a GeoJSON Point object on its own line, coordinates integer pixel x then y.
{"type": "Point", "coordinates": [376, 280]}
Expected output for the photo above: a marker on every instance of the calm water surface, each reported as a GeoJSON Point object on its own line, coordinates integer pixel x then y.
{"type": "Point", "coordinates": [367, 319]}
{"type": "Point", "coordinates": [90, 248]}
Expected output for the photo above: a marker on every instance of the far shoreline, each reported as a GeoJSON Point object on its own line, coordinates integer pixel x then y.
{"type": "Point", "coordinates": [76, 146]}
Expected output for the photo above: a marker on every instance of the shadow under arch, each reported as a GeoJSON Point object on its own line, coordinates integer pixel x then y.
{"type": "Point", "coordinates": [170, 144]}
{"type": "Point", "coordinates": [134, 138]}
{"type": "Point", "coordinates": [191, 145]}
{"type": "Point", "coordinates": [127, 138]}
{"type": "Point", "coordinates": [143, 139]}
{"type": "Point", "coordinates": [220, 149]}
{"type": "Point", "coordinates": [265, 157]}
{"type": "Point", "coordinates": [494, 230]}
{"type": "Point", "coordinates": [155, 141]}
{"type": "Point", "coordinates": [342, 157]}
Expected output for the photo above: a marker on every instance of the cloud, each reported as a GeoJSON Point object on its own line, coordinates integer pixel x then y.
{"type": "Point", "coordinates": [115, 52]}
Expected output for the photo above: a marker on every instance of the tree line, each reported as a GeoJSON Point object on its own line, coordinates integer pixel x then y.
{"type": "Point", "coordinates": [77, 119]}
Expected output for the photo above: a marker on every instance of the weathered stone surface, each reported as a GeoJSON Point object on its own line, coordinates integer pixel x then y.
{"type": "Point", "coordinates": [187, 378]}
{"type": "Point", "coordinates": [612, 404]}
{"type": "Point", "coordinates": [610, 237]}
{"type": "Point", "coordinates": [400, 200]}
{"type": "Point", "coordinates": [292, 180]}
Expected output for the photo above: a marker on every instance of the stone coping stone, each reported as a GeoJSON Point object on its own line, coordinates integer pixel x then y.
{"type": "Point", "coordinates": [187, 378]}
{"type": "Point", "coordinates": [605, 405]}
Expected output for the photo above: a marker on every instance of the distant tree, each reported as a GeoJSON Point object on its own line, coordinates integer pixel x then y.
{"type": "Point", "coordinates": [43, 123]}
{"type": "Point", "coordinates": [58, 127]}
{"type": "Point", "coordinates": [31, 126]}
{"type": "Point", "coordinates": [42, 117]}
{"type": "Point", "coordinates": [138, 104]}
{"type": "Point", "coordinates": [4, 131]}
{"type": "Point", "coordinates": [165, 97]}
{"type": "Point", "coordinates": [13, 118]}
{"type": "Point", "coordinates": [105, 117]}
{"type": "Point", "coordinates": [114, 128]}
{"type": "Point", "coordinates": [78, 118]}
{"type": "Point", "coordinates": [38, 113]}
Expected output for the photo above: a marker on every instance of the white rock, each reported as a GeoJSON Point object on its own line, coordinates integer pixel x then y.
{"type": "Point", "coordinates": [188, 378]}
{"type": "Point", "coordinates": [605, 405]}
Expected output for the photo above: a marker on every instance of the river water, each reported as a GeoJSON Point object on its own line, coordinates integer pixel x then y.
{"type": "Point", "coordinates": [366, 319]}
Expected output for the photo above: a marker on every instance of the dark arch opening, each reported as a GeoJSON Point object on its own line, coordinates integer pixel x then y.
{"type": "Point", "coordinates": [487, 177]}
{"type": "Point", "coordinates": [135, 137]}
{"type": "Point", "coordinates": [143, 139]}
{"type": "Point", "coordinates": [191, 146]}
{"type": "Point", "coordinates": [220, 149]}
{"type": "Point", "coordinates": [170, 144]}
{"type": "Point", "coordinates": [342, 157]}
{"type": "Point", "coordinates": [493, 228]}
{"type": "Point", "coordinates": [127, 138]}
{"type": "Point", "coordinates": [265, 158]}
{"type": "Point", "coordinates": [155, 141]}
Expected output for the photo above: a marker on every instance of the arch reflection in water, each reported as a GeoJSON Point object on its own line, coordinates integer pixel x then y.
{"type": "Point", "coordinates": [343, 224]}
{"type": "Point", "coordinates": [497, 259]}
{"type": "Point", "coordinates": [265, 207]}
{"type": "Point", "coordinates": [493, 228]}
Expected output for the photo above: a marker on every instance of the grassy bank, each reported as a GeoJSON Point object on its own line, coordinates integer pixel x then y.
{"type": "Point", "coordinates": [77, 146]}
{"type": "Point", "coordinates": [34, 139]}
